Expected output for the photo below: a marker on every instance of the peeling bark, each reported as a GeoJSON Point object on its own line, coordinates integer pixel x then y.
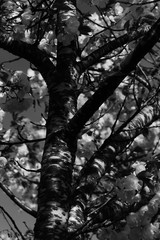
{"type": "Point", "coordinates": [60, 210]}
{"type": "Point", "coordinates": [101, 161]}
{"type": "Point", "coordinates": [117, 142]}
{"type": "Point", "coordinates": [55, 189]}
{"type": "Point", "coordinates": [58, 158]}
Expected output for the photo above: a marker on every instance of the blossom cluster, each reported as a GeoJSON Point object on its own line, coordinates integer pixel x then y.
{"type": "Point", "coordinates": [127, 188]}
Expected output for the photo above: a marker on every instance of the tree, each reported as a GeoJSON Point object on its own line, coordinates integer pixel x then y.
{"type": "Point", "coordinates": [80, 131]}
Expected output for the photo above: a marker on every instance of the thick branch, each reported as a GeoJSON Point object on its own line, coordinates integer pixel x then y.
{"type": "Point", "coordinates": [101, 160]}
{"type": "Point", "coordinates": [117, 142]}
{"type": "Point", "coordinates": [95, 56]}
{"type": "Point", "coordinates": [116, 212]}
{"type": "Point", "coordinates": [29, 52]}
{"type": "Point", "coordinates": [113, 79]}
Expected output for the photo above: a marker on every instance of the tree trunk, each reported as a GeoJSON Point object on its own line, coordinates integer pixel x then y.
{"type": "Point", "coordinates": [58, 158]}
{"type": "Point", "coordinates": [55, 189]}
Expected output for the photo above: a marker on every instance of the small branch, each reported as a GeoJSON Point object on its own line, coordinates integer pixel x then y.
{"type": "Point", "coordinates": [13, 222]}
{"type": "Point", "coordinates": [9, 224]}
{"type": "Point", "coordinates": [17, 201]}
{"type": "Point", "coordinates": [141, 80]}
{"type": "Point", "coordinates": [10, 61]}
{"type": "Point", "coordinates": [21, 142]}
{"type": "Point", "coordinates": [113, 79]}
{"type": "Point", "coordinates": [29, 52]}
{"type": "Point", "coordinates": [28, 170]}
{"type": "Point", "coordinates": [95, 56]}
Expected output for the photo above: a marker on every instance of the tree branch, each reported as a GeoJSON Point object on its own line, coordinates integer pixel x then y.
{"type": "Point", "coordinates": [102, 159]}
{"type": "Point", "coordinates": [13, 222]}
{"type": "Point", "coordinates": [29, 52]}
{"type": "Point", "coordinates": [113, 79]}
{"type": "Point", "coordinates": [119, 140]}
{"type": "Point", "coordinates": [95, 56]}
{"type": "Point", "coordinates": [17, 201]}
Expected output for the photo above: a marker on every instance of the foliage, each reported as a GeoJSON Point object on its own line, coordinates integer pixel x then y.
{"type": "Point", "coordinates": [115, 186]}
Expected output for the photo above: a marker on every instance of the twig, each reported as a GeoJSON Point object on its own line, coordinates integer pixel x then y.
{"type": "Point", "coordinates": [13, 222]}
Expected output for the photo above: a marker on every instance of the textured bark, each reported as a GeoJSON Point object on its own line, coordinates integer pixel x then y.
{"type": "Point", "coordinates": [114, 211]}
{"type": "Point", "coordinates": [58, 158]}
{"type": "Point", "coordinates": [101, 161]}
{"type": "Point", "coordinates": [55, 189]}
{"type": "Point", "coordinates": [117, 211]}
{"type": "Point", "coordinates": [117, 142]}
